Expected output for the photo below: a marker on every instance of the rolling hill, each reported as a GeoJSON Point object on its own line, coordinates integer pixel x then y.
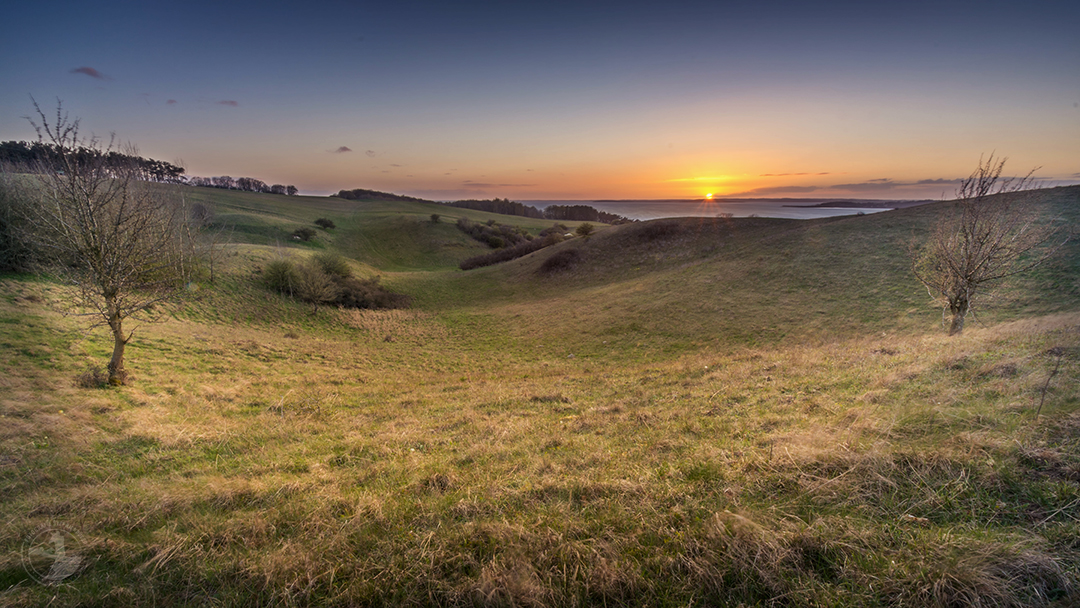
{"type": "Point", "coordinates": [689, 411]}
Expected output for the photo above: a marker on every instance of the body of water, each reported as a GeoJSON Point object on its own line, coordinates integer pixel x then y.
{"type": "Point", "coordinates": [801, 209]}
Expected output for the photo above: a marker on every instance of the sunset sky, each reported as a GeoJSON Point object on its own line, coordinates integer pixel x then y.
{"type": "Point", "coordinates": [564, 100]}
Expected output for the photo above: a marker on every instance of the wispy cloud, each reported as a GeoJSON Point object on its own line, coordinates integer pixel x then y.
{"type": "Point", "coordinates": [939, 182]}
{"type": "Point", "coordinates": [341, 150]}
{"type": "Point", "coordinates": [768, 191]}
{"type": "Point", "coordinates": [91, 72]}
{"type": "Point", "coordinates": [874, 184]}
{"type": "Point", "coordinates": [472, 184]}
{"type": "Point", "coordinates": [228, 102]}
{"type": "Point", "coordinates": [370, 153]}
{"type": "Point", "coordinates": [171, 102]}
{"type": "Point", "coordinates": [792, 174]}
{"type": "Point", "coordinates": [699, 179]}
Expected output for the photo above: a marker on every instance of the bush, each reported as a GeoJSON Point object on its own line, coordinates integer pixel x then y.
{"type": "Point", "coordinates": [92, 377]}
{"type": "Point", "coordinates": [327, 279]}
{"type": "Point", "coordinates": [324, 223]}
{"type": "Point", "coordinates": [303, 234]}
{"type": "Point", "coordinates": [16, 253]}
{"type": "Point", "coordinates": [585, 229]}
{"type": "Point", "coordinates": [315, 286]}
{"type": "Point", "coordinates": [434, 218]}
{"type": "Point", "coordinates": [562, 261]}
{"type": "Point", "coordinates": [333, 264]}
{"type": "Point", "coordinates": [281, 276]}
{"type": "Point", "coordinates": [367, 293]}
{"type": "Point", "coordinates": [493, 234]}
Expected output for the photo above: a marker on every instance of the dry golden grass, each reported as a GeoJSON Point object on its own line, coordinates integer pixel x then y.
{"type": "Point", "coordinates": [461, 456]}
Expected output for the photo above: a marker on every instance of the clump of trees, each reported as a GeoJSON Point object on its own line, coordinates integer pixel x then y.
{"type": "Point", "coordinates": [571, 213]}
{"type": "Point", "coordinates": [244, 184]}
{"type": "Point", "coordinates": [359, 194]}
{"type": "Point", "coordinates": [582, 213]}
{"type": "Point", "coordinates": [39, 156]}
{"type": "Point", "coordinates": [991, 234]}
{"type": "Point", "coordinates": [325, 224]}
{"type": "Point", "coordinates": [502, 206]}
{"type": "Point", "coordinates": [88, 215]}
{"type": "Point", "coordinates": [327, 280]}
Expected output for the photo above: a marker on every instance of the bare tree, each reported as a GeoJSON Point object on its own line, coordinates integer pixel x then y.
{"type": "Point", "coordinates": [117, 239]}
{"type": "Point", "coordinates": [991, 234]}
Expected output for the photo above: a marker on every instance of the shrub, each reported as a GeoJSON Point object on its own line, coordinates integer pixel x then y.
{"type": "Point", "coordinates": [493, 234]}
{"type": "Point", "coordinates": [92, 377]}
{"type": "Point", "coordinates": [333, 264]}
{"type": "Point", "coordinates": [366, 293]}
{"type": "Point", "coordinates": [303, 234]}
{"type": "Point", "coordinates": [327, 279]}
{"type": "Point", "coordinates": [562, 261]}
{"type": "Point", "coordinates": [16, 253]}
{"type": "Point", "coordinates": [315, 286]}
{"type": "Point", "coordinates": [585, 229]}
{"type": "Point", "coordinates": [434, 218]}
{"type": "Point", "coordinates": [324, 223]}
{"type": "Point", "coordinates": [281, 276]}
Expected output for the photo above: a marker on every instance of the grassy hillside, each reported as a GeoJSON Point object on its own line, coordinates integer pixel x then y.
{"type": "Point", "coordinates": [683, 412]}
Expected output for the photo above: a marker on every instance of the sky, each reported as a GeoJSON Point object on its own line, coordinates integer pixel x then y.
{"type": "Point", "coordinates": [563, 100]}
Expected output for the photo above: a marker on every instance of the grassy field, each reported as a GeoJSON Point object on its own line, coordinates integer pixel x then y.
{"type": "Point", "coordinates": [690, 412]}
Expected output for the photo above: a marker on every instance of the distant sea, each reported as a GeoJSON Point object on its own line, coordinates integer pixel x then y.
{"type": "Point", "coordinates": [793, 208]}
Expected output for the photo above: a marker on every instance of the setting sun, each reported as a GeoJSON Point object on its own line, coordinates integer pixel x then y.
{"type": "Point", "coordinates": [708, 196]}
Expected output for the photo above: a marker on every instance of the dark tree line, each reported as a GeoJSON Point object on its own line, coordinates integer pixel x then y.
{"type": "Point", "coordinates": [359, 194]}
{"type": "Point", "coordinates": [568, 213]}
{"type": "Point", "coordinates": [582, 213]}
{"type": "Point", "coordinates": [502, 206]}
{"type": "Point", "coordinates": [38, 156]}
{"type": "Point", "coordinates": [244, 184]}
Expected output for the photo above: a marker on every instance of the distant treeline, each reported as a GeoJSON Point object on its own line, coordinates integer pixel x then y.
{"type": "Point", "coordinates": [359, 194]}
{"type": "Point", "coordinates": [244, 184]}
{"type": "Point", "coordinates": [571, 213]}
{"type": "Point", "coordinates": [582, 213]}
{"type": "Point", "coordinates": [503, 206]}
{"type": "Point", "coordinates": [33, 157]}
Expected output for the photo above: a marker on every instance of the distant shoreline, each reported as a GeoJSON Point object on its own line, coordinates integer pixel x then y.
{"type": "Point", "coordinates": [863, 205]}
{"type": "Point", "coordinates": [811, 203]}
{"type": "Point", "coordinates": [789, 207]}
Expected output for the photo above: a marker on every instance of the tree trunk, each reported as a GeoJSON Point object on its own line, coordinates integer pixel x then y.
{"type": "Point", "coordinates": [117, 375]}
{"type": "Point", "coordinates": [959, 309]}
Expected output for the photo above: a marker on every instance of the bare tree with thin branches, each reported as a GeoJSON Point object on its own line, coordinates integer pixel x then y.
{"type": "Point", "coordinates": [991, 234]}
{"type": "Point", "coordinates": [117, 239]}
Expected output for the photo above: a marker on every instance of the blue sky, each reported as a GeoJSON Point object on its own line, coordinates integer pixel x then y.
{"type": "Point", "coordinates": [564, 100]}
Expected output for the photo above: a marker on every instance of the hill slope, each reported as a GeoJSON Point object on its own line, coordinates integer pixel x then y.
{"type": "Point", "coordinates": [684, 412]}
